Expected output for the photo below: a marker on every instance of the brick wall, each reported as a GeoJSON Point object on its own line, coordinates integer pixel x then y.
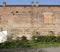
{"type": "Point", "coordinates": [27, 19]}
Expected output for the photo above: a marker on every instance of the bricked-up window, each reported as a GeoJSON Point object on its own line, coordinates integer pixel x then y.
{"type": "Point", "coordinates": [48, 18]}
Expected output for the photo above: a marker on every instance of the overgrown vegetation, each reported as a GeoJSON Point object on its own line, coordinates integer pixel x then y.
{"type": "Point", "coordinates": [15, 43]}
{"type": "Point", "coordinates": [46, 39]}
{"type": "Point", "coordinates": [36, 42]}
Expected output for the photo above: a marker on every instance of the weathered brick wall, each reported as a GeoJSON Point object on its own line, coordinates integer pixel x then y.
{"type": "Point", "coordinates": [24, 20]}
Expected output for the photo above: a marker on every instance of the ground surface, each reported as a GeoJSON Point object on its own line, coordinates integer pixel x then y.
{"type": "Point", "coordinates": [56, 49]}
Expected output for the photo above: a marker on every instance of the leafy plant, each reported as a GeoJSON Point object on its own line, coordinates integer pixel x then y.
{"type": "Point", "coordinates": [24, 38]}
{"type": "Point", "coordinates": [46, 39]}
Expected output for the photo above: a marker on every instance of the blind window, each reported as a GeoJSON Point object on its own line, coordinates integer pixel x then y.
{"type": "Point", "coordinates": [48, 18]}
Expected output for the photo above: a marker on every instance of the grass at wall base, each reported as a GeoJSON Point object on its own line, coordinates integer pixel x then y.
{"type": "Point", "coordinates": [36, 42]}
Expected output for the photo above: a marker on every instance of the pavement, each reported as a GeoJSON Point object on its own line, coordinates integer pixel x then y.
{"type": "Point", "coordinates": [52, 49]}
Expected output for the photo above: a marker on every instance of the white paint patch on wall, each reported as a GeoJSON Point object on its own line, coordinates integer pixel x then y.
{"type": "Point", "coordinates": [3, 36]}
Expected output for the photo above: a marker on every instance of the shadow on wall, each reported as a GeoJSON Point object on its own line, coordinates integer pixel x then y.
{"type": "Point", "coordinates": [51, 33]}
